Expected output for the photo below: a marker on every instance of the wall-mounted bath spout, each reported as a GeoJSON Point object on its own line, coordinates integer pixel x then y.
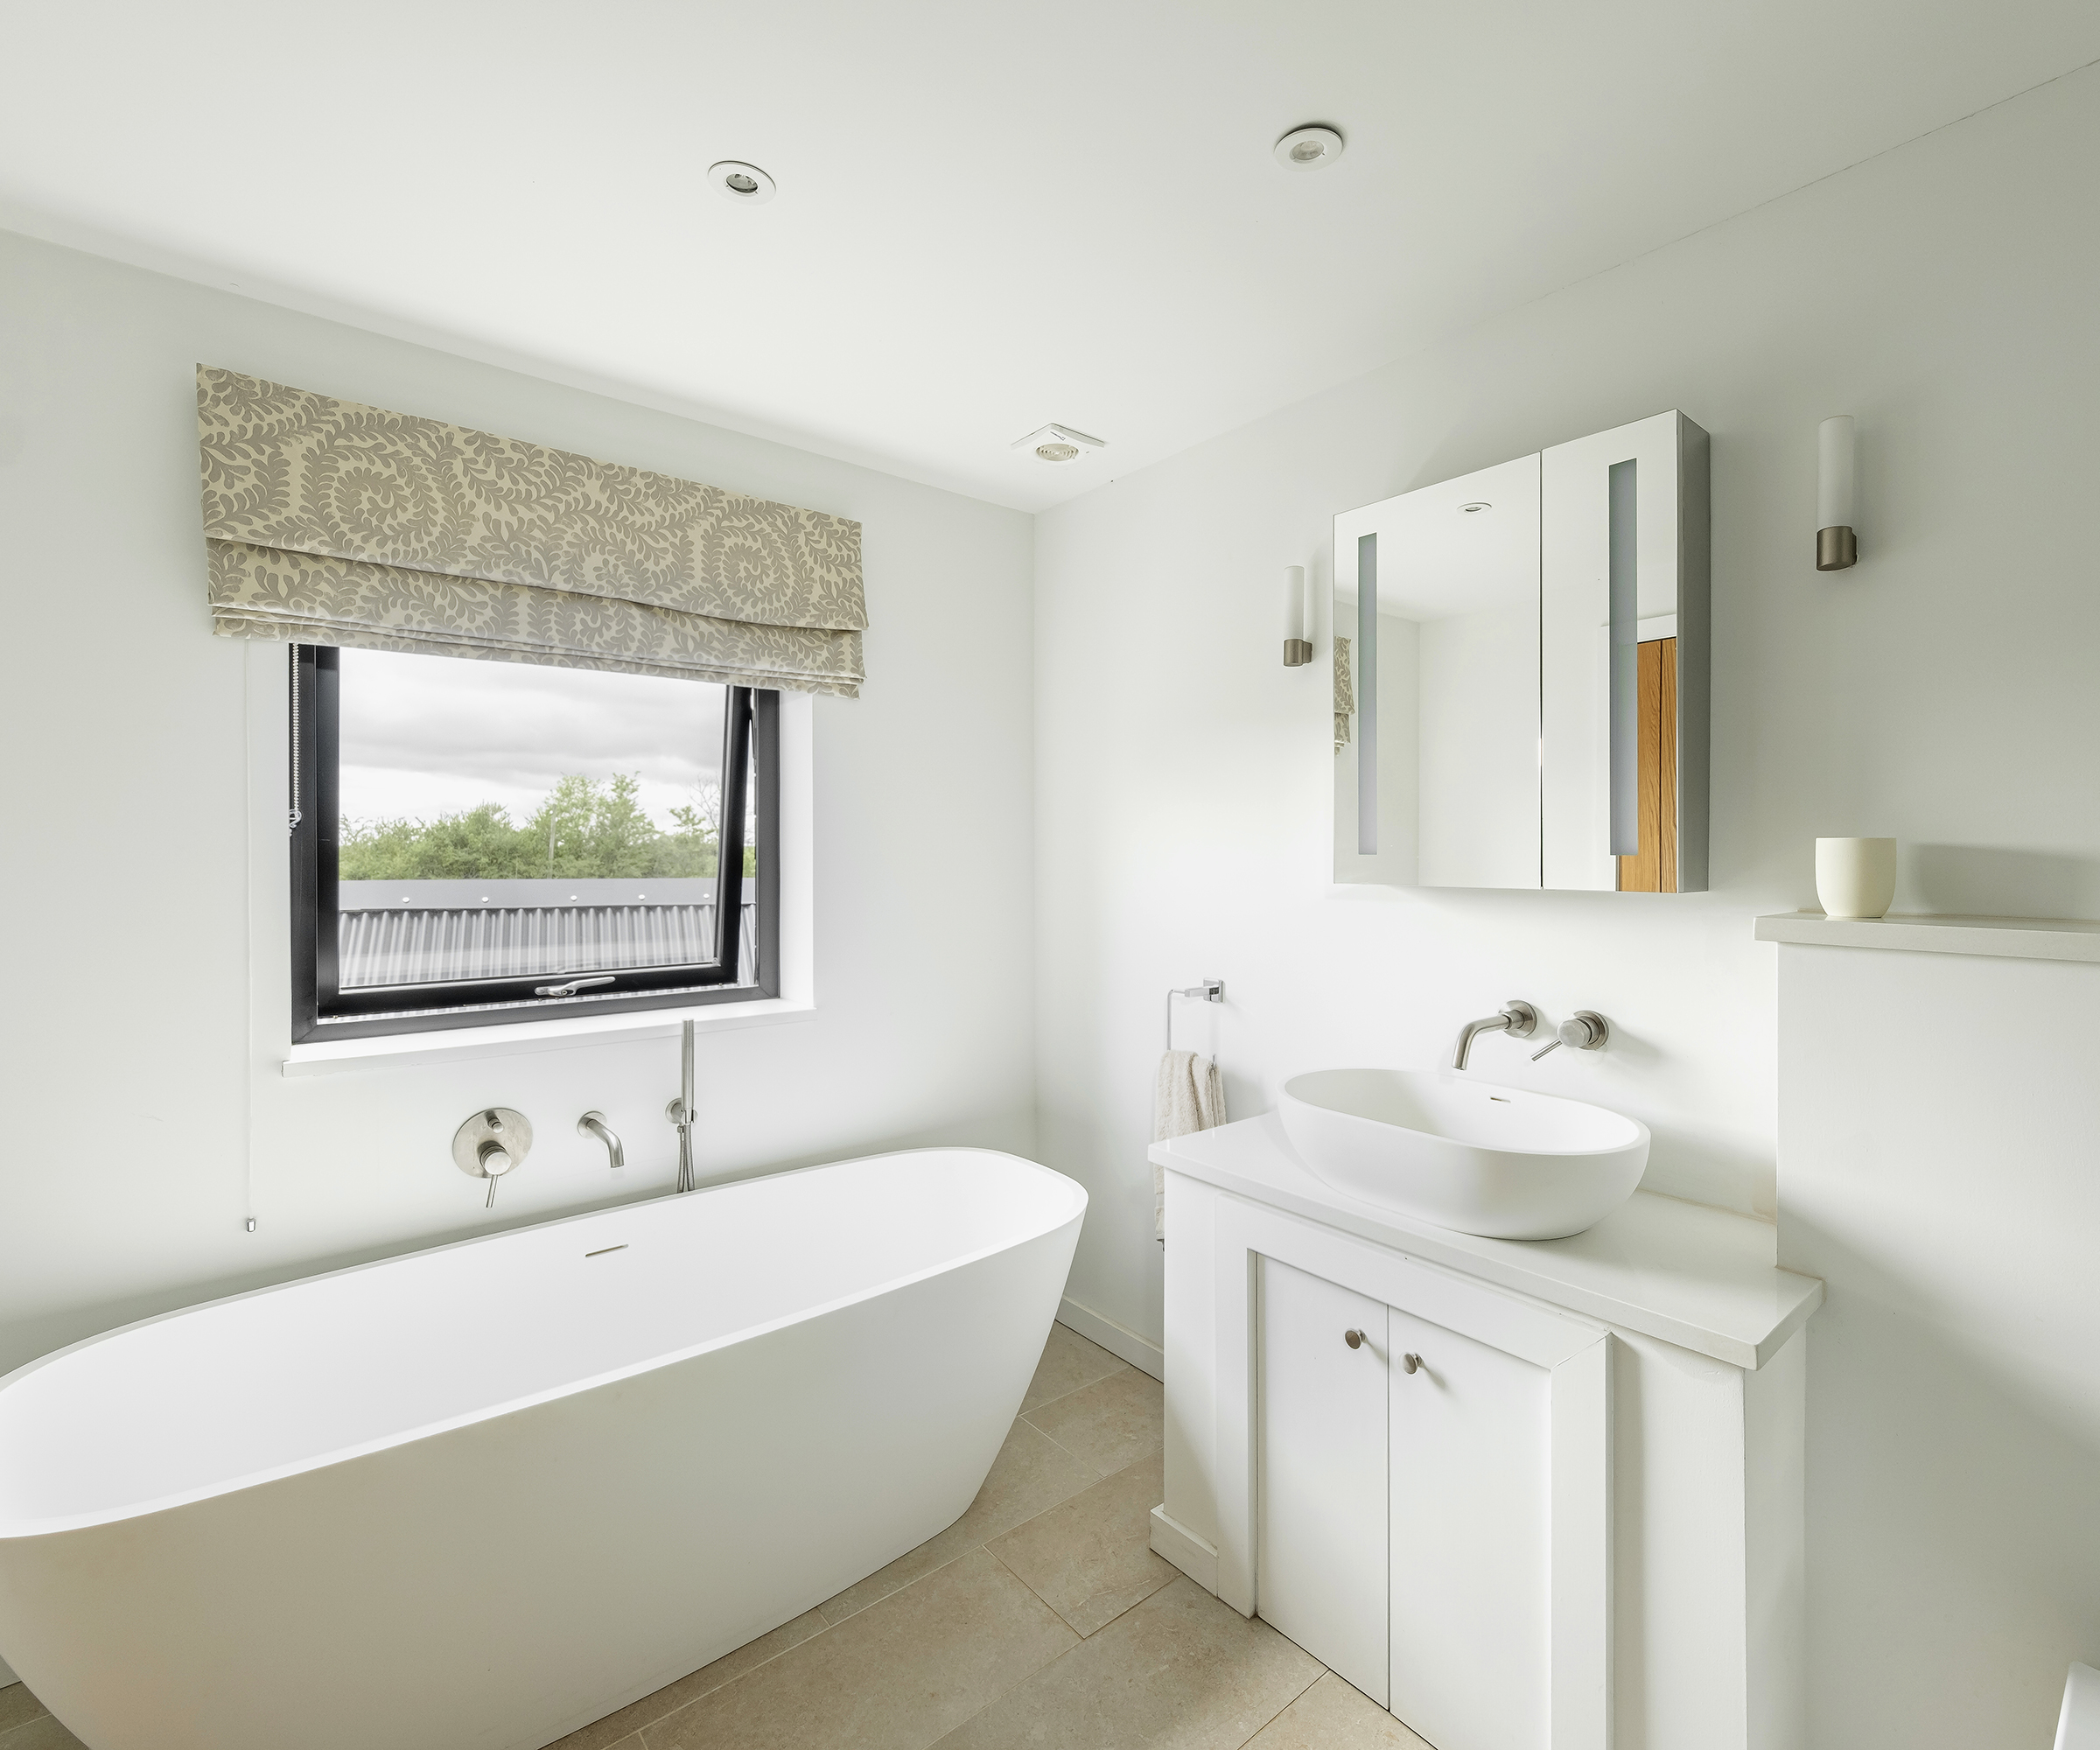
{"type": "Point", "coordinates": [1518, 1019]}
{"type": "Point", "coordinates": [593, 1124]}
{"type": "Point", "coordinates": [680, 1111]}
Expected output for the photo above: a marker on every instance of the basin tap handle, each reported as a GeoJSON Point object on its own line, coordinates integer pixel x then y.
{"type": "Point", "coordinates": [1586, 1030]}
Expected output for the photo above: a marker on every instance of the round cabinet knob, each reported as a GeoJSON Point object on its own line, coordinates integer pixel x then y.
{"type": "Point", "coordinates": [1354, 1339]}
{"type": "Point", "coordinates": [1411, 1363]}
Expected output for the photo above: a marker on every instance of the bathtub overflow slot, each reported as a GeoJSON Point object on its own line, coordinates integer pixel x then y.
{"type": "Point", "coordinates": [602, 1250]}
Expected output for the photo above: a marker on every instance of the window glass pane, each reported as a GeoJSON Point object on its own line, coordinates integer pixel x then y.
{"type": "Point", "coordinates": [503, 819]}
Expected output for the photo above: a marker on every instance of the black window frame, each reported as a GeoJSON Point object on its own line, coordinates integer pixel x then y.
{"type": "Point", "coordinates": [320, 1010]}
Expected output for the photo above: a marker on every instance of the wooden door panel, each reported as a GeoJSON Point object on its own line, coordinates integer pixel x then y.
{"type": "Point", "coordinates": [1653, 868]}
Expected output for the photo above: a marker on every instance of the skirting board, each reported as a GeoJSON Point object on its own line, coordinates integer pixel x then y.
{"type": "Point", "coordinates": [1126, 1345]}
{"type": "Point", "coordinates": [1174, 1542]}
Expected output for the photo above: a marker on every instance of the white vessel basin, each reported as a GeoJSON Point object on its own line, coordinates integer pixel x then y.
{"type": "Point", "coordinates": [1469, 1155]}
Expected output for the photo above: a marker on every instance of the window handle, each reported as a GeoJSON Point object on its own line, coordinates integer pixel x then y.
{"type": "Point", "coordinates": [572, 987]}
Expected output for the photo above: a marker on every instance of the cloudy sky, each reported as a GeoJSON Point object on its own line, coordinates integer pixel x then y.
{"type": "Point", "coordinates": [425, 735]}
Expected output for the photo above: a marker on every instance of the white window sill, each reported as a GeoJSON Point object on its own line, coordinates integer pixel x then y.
{"type": "Point", "coordinates": [335, 1057]}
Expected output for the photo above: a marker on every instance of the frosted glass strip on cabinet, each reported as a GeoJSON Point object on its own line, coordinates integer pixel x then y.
{"type": "Point", "coordinates": [1625, 571]}
{"type": "Point", "coordinates": [1367, 695]}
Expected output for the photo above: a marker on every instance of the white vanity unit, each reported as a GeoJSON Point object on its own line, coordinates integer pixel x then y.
{"type": "Point", "coordinates": [1526, 1494]}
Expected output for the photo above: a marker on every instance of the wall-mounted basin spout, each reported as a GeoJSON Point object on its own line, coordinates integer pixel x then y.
{"type": "Point", "coordinates": [1518, 1019]}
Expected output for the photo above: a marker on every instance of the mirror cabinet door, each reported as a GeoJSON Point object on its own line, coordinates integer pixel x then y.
{"type": "Point", "coordinates": [1621, 658]}
{"type": "Point", "coordinates": [1520, 672]}
{"type": "Point", "coordinates": [1436, 678]}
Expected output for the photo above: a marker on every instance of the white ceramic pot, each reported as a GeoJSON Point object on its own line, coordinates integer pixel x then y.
{"type": "Point", "coordinates": [1855, 878]}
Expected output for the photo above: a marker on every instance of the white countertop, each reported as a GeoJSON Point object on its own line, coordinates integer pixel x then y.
{"type": "Point", "coordinates": [1930, 933]}
{"type": "Point", "coordinates": [1700, 1277]}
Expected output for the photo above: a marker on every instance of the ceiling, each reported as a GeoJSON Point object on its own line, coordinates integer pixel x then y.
{"type": "Point", "coordinates": [989, 216]}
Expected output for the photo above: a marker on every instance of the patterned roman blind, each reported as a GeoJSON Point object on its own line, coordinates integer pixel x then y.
{"type": "Point", "coordinates": [327, 522]}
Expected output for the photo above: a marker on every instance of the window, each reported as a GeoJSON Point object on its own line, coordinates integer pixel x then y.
{"type": "Point", "coordinates": [480, 841]}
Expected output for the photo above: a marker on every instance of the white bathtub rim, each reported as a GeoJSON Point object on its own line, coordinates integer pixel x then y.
{"type": "Point", "coordinates": [13, 1529]}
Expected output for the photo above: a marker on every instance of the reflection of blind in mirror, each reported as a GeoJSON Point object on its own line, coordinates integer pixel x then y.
{"type": "Point", "coordinates": [1625, 695]}
{"type": "Point", "coordinates": [1366, 694]}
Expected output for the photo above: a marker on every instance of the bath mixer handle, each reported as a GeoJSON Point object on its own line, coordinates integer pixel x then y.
{"type": "Point", "coordinates": [495, 1161]}
{"type": "Point", "coordinates": [491, 1142]}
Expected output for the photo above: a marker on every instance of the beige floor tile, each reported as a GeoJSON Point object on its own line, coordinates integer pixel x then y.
{"type": "Point", "coordinates": [41, 1733]}
{"type": "Point", "coordinates": [17, 1706]}
{"type": "Point", "coordinates": [895, 1677]}
{"type": "Point", "coordinates": [1333, 1716]}
{"type": "Point", "coordinates": [1088, 1558]}
{"type": "Point", "coordinates": [1031, 1472]}
{"type": "Point", "coordinates": [1113, 1423]}
{"type": "Point", "coordinates": [617, 1728]}
{"type": "Point", "coordinates": [1180, 1672]}
{"type": "Point", "coordinates": [1069, 1362]}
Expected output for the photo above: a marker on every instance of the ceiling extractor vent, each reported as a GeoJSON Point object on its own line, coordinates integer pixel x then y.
{"type": "Point", "coordinates": [1058, 444]}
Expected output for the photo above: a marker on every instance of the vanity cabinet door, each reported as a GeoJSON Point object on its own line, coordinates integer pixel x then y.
{"type": "Point", "coordinates": [1320, 1472]}
{"type": "Point", "coordinates": [1472, 1473]}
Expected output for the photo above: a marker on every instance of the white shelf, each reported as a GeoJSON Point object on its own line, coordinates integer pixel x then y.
{"type": "Point", "coordinates": [1922, 932]}
{"type": "Point", "coordinates": [1702, 1279]}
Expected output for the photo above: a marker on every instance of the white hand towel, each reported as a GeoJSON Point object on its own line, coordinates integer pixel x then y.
{"type": "Point", "coordinates": [1188, 1096]}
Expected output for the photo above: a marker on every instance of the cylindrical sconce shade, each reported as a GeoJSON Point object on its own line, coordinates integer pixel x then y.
{"type": "Point", "coordinates": [1837, 485]}
{"type": "Point", "coordinates": [1298, 650]}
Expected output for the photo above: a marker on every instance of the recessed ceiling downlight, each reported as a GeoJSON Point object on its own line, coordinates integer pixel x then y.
{"type": "Point", "coordinates": [1313, 147]}
{"type": "Point", "coordinates": [1058, 443]}
{"type": "Point", "coordinates": [1477, 506]}
{"type": "Point", "coordinates": [744, 183]}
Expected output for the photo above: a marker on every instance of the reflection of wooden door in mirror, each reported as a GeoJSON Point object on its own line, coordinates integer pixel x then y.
{"type": "Point", "coordinates": [1653, 868]}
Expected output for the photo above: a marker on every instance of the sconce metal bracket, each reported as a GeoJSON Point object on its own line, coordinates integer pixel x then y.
{"type": "Point", "coordinates": [1836, 549]}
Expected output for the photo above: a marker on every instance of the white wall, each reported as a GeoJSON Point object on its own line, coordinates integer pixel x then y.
{"type": "Point", "coordinates": [1942, 692]}
{"type": "Point", "coordinates": [137, 1112]}
{"type": "Point", "coordinates": [1940, 1168]}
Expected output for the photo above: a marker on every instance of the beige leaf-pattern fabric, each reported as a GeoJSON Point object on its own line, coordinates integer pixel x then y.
{"type": "Point", "coordinates": [331, 522]}
{"type": "Point", "coordinates": [312, 599]}
{"type": "Point", "coordinates": [1345, 694]}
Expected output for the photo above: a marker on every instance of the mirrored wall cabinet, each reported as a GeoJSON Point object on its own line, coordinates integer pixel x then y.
{"type": "Point", "coordinates": [1520, 672]}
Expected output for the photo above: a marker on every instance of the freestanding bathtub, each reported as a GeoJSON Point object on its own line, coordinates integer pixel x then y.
{"type": "Point", "coordinates": [482, 1495]}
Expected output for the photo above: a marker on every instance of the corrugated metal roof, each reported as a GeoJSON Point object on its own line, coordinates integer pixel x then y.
{"type": "Point", "coordinates": [388, 938]}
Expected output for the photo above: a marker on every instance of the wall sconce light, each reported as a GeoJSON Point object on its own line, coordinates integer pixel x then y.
{"type": "Point", "coordinates": [1837, 483]}
{"type": "Point", "coordinates": [1297, 649]}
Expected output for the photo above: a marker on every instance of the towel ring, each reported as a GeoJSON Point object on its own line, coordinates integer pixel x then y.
{"type": "Point", "coordinates": [1210, 990]}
